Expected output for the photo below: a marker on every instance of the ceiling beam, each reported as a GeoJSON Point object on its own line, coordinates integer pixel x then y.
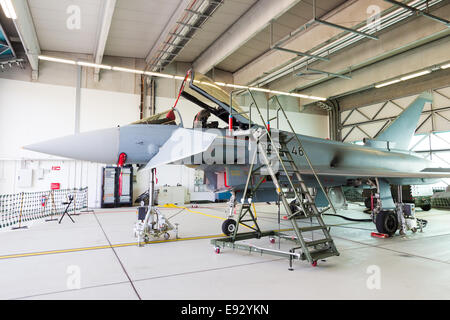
{"type": "Point", "coordinates": [27, 33]}
{"type": "Point", "coordinates": [434, 80]}
{"type": "Point", "coordinates": [248, 25]}
{"type": "Point", "coordinates": [108, 11]}
{"type": "Point", "coordinates": [333, 25]}
{"type": "Point", "coordinates": [304, 54]}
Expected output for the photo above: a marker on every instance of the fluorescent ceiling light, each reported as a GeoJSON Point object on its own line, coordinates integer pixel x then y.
{"type": "Point", "coordinates": [415, 75]}
{"type": "Point", "coordinates": [8, 9]}
{"type": "Point", "coordinates": [157, 74]}
{"type": "Point", "coordinates": [316, 98]}
{"type": "Point", "coordinates": [445, 66]}
{"type": "Point", "coordinates": [259, 89]}
{"type": "Point", "coordinates": [384, 84]}
{"type": "Point", "coordinates": [299, 95]}
{"type": "Point", "coordinates": [94, 65]}
{"type": "Point", "coordinates": [127, 70]}
{"type": "Point", "coordinates": [279, 92]}
{"type": "Point", "coordinates": [236, 86]}
{"type": "Point", "coordinates": [46, 58]}
{"type": "Point", "coordinates": [165, 75]}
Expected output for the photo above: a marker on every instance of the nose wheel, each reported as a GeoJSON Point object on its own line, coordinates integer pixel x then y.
{"type": "Point", "coordinates": [228, 226]}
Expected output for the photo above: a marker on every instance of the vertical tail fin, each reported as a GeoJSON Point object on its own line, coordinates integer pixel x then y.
{"type": "Point", "coordinates": [402, 129]}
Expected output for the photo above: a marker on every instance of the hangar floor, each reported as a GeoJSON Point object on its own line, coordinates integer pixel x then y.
{"type": "Point", "coordinates": [39, 263]}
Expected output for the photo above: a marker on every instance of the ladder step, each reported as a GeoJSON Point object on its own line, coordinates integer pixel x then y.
{"type": "Point", "coordinates": [306, 203]}
{"type": "Point", "coordinates": [322, 254]}
{"type": "Point", "coordinates": [317, 242]}
{"type": "Point", "coordinates": [300, 184]}
{"type": "Point", "coordinates": [296, 213]}
{"type": "Point", "coordinates": [312, 228]}
{"type": "Point", "coordinates": [306, 217]}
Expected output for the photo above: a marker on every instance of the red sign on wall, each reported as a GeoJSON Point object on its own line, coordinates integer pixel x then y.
{"type": "Point", "coordinates": [56, 168]}
{"type": "Point", "coordinates": [54, 186]}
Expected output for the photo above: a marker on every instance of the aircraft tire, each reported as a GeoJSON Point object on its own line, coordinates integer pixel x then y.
{"type": "Point", "coordinates": [228, 226]}
{"type": "Point", "coordinates": [426, 207]}
{"type": "Point", "coordinates": [386, 222]}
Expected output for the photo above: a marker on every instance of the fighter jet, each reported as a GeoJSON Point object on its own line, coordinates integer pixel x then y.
{"type": "Point", "coordinates": [225, 146]}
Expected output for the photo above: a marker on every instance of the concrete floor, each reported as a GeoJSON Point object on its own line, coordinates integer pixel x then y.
{"type": "Point", "coordinates": [98, 255]}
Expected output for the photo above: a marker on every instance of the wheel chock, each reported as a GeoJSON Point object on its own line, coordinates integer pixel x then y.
{"type": "Point", "coordinates": [379, 235]}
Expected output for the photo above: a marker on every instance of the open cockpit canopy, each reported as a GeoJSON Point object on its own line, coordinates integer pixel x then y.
{"type": "Point", "coordinates": [205, 93]}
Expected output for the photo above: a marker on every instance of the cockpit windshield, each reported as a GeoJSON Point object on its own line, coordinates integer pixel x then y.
{"type": "Point", "coordinates": [165, 117]}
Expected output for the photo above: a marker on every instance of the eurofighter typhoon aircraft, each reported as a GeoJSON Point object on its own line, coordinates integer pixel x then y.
{"type": "Point", "coordinates": [159, 140]}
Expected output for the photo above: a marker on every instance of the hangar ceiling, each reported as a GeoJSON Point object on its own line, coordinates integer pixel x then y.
{"type": "Point", "coordinates": [50, 22]}
{"type": "Point", "coordinates": [281, 27]}
{"type": "Point", "coordinates": [355, 44]}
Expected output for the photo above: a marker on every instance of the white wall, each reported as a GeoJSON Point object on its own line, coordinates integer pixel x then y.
{"type": "Point", "coordinates": [32, 112]}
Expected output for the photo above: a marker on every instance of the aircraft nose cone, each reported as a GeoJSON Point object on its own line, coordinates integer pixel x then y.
{"type": "Point", "coordinates": [97, 146]}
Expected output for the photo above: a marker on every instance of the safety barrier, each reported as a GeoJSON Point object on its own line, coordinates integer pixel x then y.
{"type": "Point", "coordinates": [27, 206]}
{"type": "Point", "coordinates": [440, 202]}
{"type": "Point", "coordinates": [441, 198]}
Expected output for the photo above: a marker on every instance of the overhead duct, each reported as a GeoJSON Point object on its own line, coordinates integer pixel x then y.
{"type": "Point", "coordinates": [252, 22]}
{"type": "Point", "coordinates": [108, 11]}
{"type": "Point", "coordinates": [27, 33]}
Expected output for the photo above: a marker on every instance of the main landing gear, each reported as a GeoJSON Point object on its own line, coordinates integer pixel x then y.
{"type": "Point", "coordinates": [386, 222]}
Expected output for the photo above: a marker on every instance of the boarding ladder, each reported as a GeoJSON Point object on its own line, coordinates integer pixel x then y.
{"type": "Point", "coordinates": [288, 176]}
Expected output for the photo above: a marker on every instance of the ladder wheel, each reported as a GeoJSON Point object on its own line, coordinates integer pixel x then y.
{"type": "Point", "coordinates": [166, 236]}
{"type": "Point", "coordinates": [314, 263]}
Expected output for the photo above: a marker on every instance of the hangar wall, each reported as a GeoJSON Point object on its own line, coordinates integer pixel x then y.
{"type": "Point", "coordinates": [33, 112]}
